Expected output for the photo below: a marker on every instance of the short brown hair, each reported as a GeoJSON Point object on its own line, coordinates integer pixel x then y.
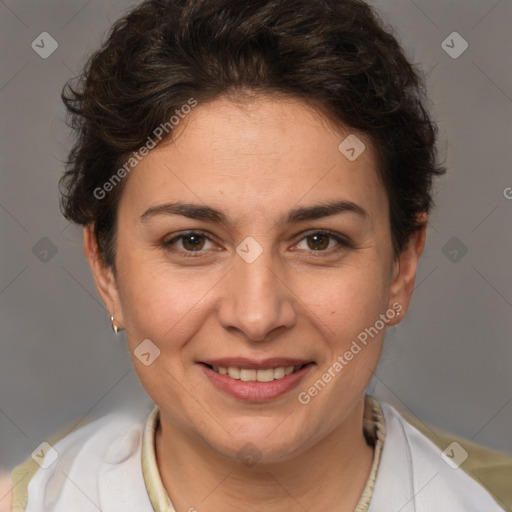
{"type": "Point", "coordinates": [335, 53]}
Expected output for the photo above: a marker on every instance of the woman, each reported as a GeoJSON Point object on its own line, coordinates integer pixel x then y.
{"type": "Point", "coordinates": [254, 179]}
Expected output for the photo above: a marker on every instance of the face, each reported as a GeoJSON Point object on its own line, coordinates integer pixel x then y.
{"type": "Point", "coordinates": [280, 256]}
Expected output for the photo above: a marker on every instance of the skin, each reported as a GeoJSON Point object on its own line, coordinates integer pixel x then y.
{"type": "Point", "coordinates": [255, 160]}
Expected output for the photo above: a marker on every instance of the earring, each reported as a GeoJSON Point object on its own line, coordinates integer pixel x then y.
{"type": "Point", "coordinates": [114, 326]}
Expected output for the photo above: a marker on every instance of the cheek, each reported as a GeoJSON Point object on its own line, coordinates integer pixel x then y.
{"type": "Point", "coordinates": [159, 302]}
{"type": "Point", "coordinates": [348, 299]}
{"type": "Point", "coordinates": [347, 305]}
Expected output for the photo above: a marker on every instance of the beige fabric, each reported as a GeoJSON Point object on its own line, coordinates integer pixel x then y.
{"type": "Point", "coordinates": [374, 430]}
{"type": "Point", "coordinates": [490, 468]}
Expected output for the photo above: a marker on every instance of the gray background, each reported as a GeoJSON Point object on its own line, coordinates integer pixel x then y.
{"type": "Point", "coordinates": [448, 362]}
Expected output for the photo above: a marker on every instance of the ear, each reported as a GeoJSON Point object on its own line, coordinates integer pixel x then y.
{"type": "Point", "coordinates": [404, 271]}
{"type": "Point", "coordinates": [103, 276]}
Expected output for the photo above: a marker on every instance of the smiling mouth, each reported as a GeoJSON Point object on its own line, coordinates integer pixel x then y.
{"type": "Point", "coordinates": [259, 375]}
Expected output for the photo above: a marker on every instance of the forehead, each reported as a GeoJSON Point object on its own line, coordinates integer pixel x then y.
{"type": "Point", "coordinates": [260, 155]}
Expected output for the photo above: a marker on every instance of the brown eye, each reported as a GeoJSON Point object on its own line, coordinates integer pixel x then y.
{"type": "Point", "coordinates": [193, 242]}
{"type": "Point", "coordinates": [324, 243]}
{"type": "Point", "coordinates": [319, 241]}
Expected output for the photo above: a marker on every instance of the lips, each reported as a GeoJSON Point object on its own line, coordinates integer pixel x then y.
{"type": "Point", "coordinates": [252, 364]}
{"type": "Point", "coordinates": [253, 380]}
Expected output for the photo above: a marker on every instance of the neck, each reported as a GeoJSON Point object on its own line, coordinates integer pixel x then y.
{"type": "Point", "coordinates": [330, 475]}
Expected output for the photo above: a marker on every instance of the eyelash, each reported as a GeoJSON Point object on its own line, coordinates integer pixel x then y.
{"type": "Point", "coordinates": [343, 243]}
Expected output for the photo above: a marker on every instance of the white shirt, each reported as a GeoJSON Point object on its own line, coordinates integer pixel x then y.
{"type": "Point", "coordinates": [110, 465]}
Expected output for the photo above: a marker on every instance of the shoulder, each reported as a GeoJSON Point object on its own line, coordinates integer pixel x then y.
{"type": "Point", "coordinates": [87, 469]}
{"type": "Point", "coordinates": [431, 469]}
{"type": "Point", "coordinates": [489, 468]}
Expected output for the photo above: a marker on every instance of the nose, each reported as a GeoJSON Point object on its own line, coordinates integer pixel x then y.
{"type": "Point", "coordinates": [257, 300]}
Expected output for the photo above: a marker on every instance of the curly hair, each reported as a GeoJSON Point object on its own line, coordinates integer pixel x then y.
{"type": "Point", "coordinates": [335, 53]}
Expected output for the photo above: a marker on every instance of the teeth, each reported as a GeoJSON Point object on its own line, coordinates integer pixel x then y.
{"type": "Point", "coordinates": [265, 375]}
{"type": "Point", "coordinates": [234, 373]}
{"type": "Point", "coordinates": [251, 375]}
{"type": "Point", "coordinates": [248, 375]}
{"type": "Point", "coordinates": [279, 373]}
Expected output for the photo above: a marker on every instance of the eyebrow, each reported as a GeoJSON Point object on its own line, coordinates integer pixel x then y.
{"type": "Point", "coordinates": [301, 214]}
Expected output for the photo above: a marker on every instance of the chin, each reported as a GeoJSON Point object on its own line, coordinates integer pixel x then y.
{"type": "Point", "coordinates": [268, 443]}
